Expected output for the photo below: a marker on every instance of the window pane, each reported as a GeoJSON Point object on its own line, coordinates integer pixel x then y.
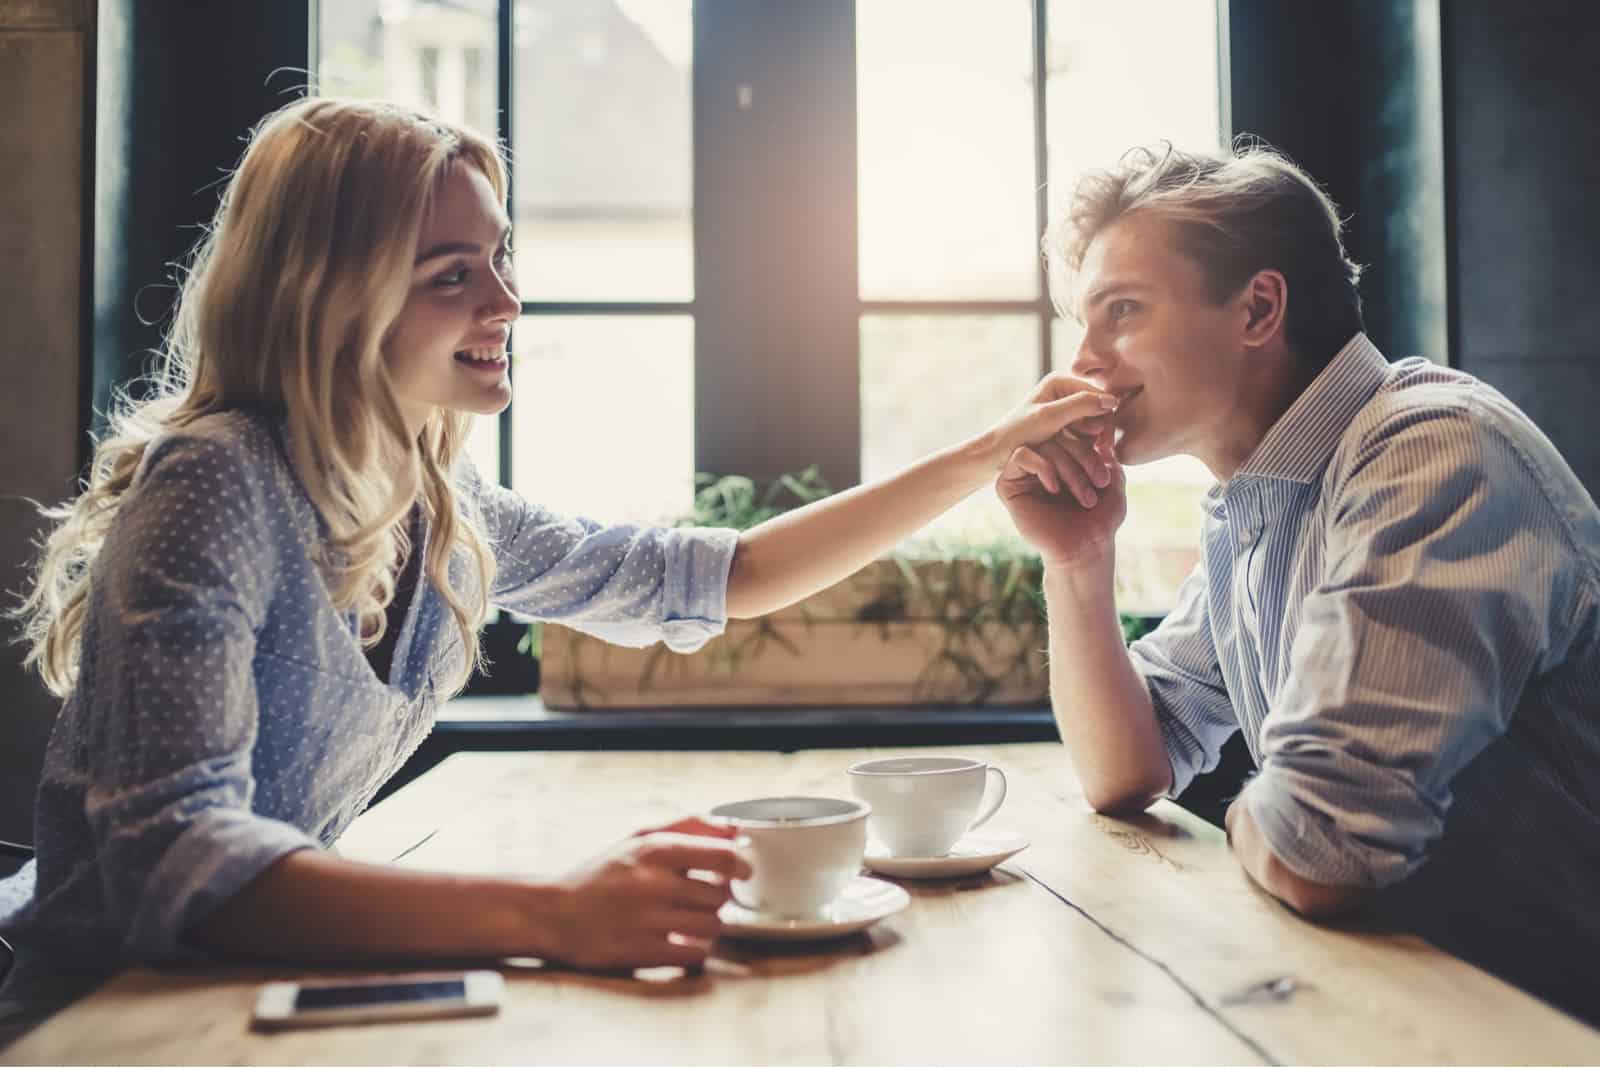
{"type": "Point", "coordinates": [928, 381]}
{"type": "Point", "coordinates": [945, 124]}
{"type": "Point", "coordinates": [603, 416]}
{"type": "Point", "coordinates": [602, 147]}
{"type": "Point", "coordinates": [1159, 542]}
{"type": "Point", "coordinates": [483, 446]}
{"type": "Point", "coordinates": [1120, 75]}
{"type": "Point", "coordinates": [1125, 74]}
{"type": "Point", "coordinates": [434, 54]}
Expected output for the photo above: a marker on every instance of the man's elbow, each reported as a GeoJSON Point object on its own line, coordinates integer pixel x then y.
{"type": "Point", "coordinates": [1314, 901]}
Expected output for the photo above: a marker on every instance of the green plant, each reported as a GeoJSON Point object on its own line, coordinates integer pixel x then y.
{"type": "Point", "coordinates": [963, 585]}
{"type": "Point", "coordinates": [730, 500]}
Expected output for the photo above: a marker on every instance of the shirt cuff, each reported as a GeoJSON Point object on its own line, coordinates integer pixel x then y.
{"type": "Point", "coordinates": [695, 597]}
{"type": "Point", "coordinates": [1307, 837]}
{"type": "Point", "coordinates": [208, 865]}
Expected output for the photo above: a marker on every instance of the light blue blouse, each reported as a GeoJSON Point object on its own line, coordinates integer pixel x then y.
{"type": "Point", "coordinates": [226, 714]}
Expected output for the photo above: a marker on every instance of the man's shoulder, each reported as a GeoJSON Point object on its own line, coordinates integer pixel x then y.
{"type": "Point", "coordinates": [1426, 405]}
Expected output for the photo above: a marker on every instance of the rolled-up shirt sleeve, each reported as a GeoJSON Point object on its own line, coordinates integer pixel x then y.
{"type": "Point", "coordinates": [1178, 662]}
{"type": "Point", "coordinates": [1412, 653]}
{"type": "Point", "coordinates": [184, 580]}
{"type": "Point", "coordinates": [629, 585]}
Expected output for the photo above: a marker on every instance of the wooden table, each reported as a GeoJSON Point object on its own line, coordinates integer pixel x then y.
{"type": "Point", "coordinates": [1106, 941]}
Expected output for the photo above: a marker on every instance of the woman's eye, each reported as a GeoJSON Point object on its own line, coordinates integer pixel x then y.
{"type": "Point", "coordinates": [1120, 309]}
{"type": "Point", "coordinates": [454, 278]}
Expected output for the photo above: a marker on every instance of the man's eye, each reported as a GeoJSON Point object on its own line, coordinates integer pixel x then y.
{"type": "Point", "coordinates": [1120, 309]}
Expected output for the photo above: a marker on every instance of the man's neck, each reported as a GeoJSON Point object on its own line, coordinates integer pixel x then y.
{"type": "Point", "coordinates": [1262, 399]}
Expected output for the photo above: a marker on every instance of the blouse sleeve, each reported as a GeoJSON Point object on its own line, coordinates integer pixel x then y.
{"type": "Point", "coordinates": [629, 585]}
{"type": "Point", "coordinates": [180, 589]}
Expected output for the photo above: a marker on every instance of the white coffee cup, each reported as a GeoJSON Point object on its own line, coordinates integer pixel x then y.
{"type": "Point", "coordinates": [922, 805]}
{"type": "Point", "coordinates": [803, 851]}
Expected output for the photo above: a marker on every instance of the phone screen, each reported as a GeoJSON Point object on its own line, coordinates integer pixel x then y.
{"type": "Point", "coordinates": [339, 997]}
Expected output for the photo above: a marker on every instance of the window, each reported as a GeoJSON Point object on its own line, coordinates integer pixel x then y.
{"type": "Point", "coordinates": [756, 236]}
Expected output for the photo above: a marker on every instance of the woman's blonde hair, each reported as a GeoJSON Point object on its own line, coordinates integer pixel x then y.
{"type": "Point", "coordinates": [1233, 214]}
{"type": "Point", "coordinates": [284, 308]}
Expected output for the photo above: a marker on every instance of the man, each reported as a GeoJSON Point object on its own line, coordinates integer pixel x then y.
{"type": "Point", "coordinates": [1398, 599]}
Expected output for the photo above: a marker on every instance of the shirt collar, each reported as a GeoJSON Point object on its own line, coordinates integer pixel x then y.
{"type": "Point", "coordinates": [1300, 444]}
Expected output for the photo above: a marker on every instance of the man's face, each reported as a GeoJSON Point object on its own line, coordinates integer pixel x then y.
{"type": "Point", "coordinates": [1153, 337]}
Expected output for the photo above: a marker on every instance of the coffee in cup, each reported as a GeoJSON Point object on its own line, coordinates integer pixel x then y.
{"type": "Point", "coordinates": [803, 851]}
{"type": "Point", "coordinates": [922, 805]}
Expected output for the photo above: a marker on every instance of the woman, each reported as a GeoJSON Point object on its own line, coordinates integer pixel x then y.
{"type": "Point", "coordinates": [282, 561]}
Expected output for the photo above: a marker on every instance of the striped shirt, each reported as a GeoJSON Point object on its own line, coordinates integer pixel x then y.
{"type": "Point", "coordinates": [1398, 602]}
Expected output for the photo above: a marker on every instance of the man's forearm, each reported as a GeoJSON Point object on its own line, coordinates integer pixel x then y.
{"type": "Point", "coordinates": [1102, 707]}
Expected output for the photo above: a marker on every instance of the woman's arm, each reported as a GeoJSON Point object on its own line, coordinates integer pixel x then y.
{"type": "Point", "coordinates": [796, 554]}
{"type": "Point", "coordinates": [616, 911]}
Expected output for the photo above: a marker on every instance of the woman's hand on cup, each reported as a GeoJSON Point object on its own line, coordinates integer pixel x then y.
{"type": "Point", "coordinates": [638, 905]}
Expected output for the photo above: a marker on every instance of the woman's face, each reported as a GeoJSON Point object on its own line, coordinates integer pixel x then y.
{"type": "Point", "coordinates": [447, 348]}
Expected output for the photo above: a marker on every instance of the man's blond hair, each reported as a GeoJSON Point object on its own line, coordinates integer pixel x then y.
{"type": "Point", "coordinates": [1233, 214]}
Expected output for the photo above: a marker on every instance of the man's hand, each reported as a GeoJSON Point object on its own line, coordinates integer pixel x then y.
{"type": "Point", "coordinates": [1067, 496]}
{"type": "Point", "coordinates": [1309, 899]}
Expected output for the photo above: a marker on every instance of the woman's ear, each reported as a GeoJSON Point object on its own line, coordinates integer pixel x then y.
{"type": "Point", "coordinates": [1266, 307]}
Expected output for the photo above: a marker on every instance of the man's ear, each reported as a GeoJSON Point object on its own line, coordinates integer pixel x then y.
{"type": "Point", "coordinates": [1266, 306]}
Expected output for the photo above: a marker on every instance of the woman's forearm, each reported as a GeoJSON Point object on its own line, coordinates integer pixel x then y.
{"type": "Point", "coordinates": [798, 553]}
{"type": "Point", "coordinates": [310, 906]}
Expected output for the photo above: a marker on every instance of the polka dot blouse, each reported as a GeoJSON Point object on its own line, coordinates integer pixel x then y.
{"type": "Point", "coordinates": [226, 714]}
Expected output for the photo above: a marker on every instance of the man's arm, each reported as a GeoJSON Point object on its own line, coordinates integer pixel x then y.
{"type": "Point", "coordinates": [1309, 899]}
{"type": "Point", "coordinates": [1102, 708]}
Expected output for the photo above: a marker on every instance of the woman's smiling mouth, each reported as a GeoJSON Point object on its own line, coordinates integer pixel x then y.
{"type": "Point", "coordinates": [485, 359]}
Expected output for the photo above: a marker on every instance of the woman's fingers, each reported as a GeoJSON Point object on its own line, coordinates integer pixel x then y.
{"type": "Point", "coordinates": [1054, 416]}
{"type": "Point", "coordinates": [689, 892]}
{"type": "Point", "coordinates": [684, 852]}
{"type": "Point", "coordinates": [697, 923]}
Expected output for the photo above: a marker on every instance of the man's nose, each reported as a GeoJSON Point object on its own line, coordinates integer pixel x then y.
{"type": "Point", "coordinates": [1086, 363]}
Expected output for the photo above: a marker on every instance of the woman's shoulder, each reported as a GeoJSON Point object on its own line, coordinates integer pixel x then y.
{"type": "Point", "coordinates": [234, 454]}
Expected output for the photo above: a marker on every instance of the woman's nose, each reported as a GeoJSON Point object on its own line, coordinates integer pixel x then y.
{"type": "Point", "coordinates": [503, 304]}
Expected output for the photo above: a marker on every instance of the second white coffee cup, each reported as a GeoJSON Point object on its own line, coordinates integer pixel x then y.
{"type": "Point", "coordinates": [803, 850]}
{"type": "Point", "coordinates": [921, 806]}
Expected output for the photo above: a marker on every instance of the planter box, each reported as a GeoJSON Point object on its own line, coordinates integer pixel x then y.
{"type": "Point", "coordinates": [893, 634]}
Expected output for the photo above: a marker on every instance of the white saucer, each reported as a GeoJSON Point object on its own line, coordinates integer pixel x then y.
{"type": "Point", "coordinates": [863, 903]}
{"type": "Point", "coordinates": [977, 851]}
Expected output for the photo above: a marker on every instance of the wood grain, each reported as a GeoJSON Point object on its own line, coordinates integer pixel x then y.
{"type": "Point", "coordinates": [1107, 941]}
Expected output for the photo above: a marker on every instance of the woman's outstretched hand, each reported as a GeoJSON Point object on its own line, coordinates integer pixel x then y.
{"type": "Point", "coordinates": [638, 906]}
{"type": "Point", "coordinates": [1056, 426]}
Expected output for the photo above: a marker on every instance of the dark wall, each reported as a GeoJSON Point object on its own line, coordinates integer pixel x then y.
{"type": "Point", "coordinates": [122, 114]}
{"type": "Point", "coordinates": [179, 85]}
{"type": "Point", "coordinates": [1462, 139]}
{"type": "Point", "coordinates": [1351, 92]}
{"type": "Point", "coordinates": [1523, 154]}
{"type": "Point", "coordinates": [46, 50]}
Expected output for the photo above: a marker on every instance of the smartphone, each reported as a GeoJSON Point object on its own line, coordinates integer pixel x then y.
{"type": "Point", "coordinates": [393, 997]}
